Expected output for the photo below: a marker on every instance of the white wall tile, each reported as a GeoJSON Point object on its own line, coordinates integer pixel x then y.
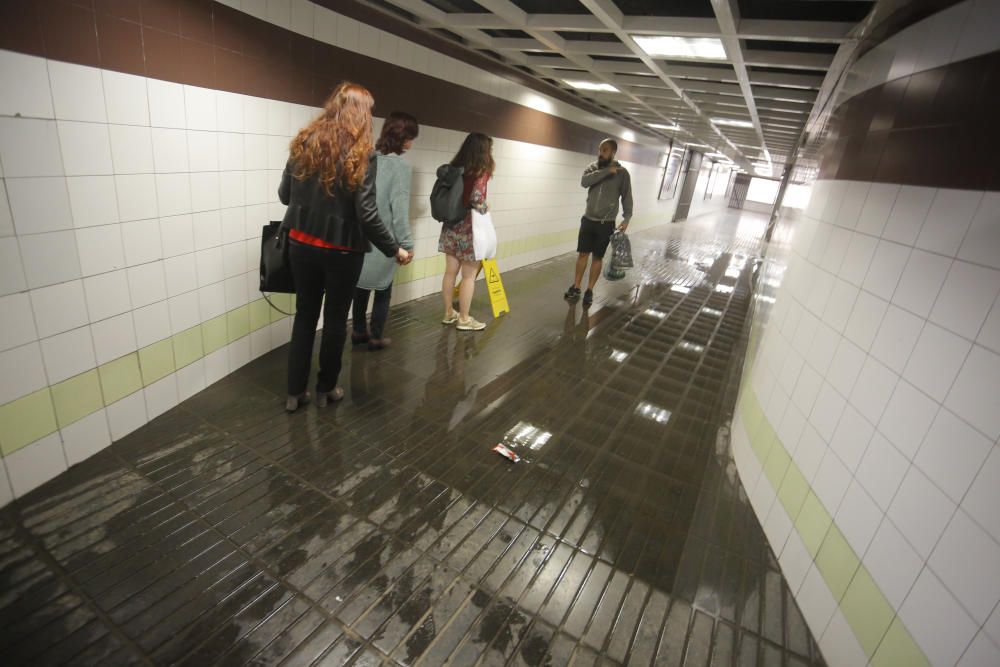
{"type": "Point", "coordinates": [199, 108]}
{"type": "Point", "coordinates": [216, 366]}
{"type": "Point", "coordinates": [49, 258]}
{"type": "Point", "coordinates": [936, 620]}
{"type": "Point", "coordinates": [30, 147]}
{"type": "Point", "coordinates": [983, 498]}
{"type": "Point", "coordinates": [979, 34]}
{"type": "Point", "coordinates": [25, 82]}
{"type": "Point", "coordinates": [233, 224]}
{"type": "Point", "coordinates": [68, 354]}
{"type": "Point", "coordinates": [326, 25]}
{"type": "Point", "coordinates": [858, 517]}
{"type": "Point", "coordinates": [839, 306]}
{"type": "Point", "coordinates": [881, 470]}
{"type": "Point", "coordinates": [177, 234]}
{"type": "Point", "coordinates": [32, 466]}
{"type": "Point", "coordinates": [6, 220]}
{"type": "Point", "coordinates": [59, 308]}
{"type": "Point", "coordinates": [170, 152]}
{"type": "Point", "coordinates": [141, 239]}
{"type": "Point", "coordinates": [107, 295]}
{"type": "Point", "coordinates": [302, 17]}
{"type": "Point", "coordinates": [236, 292]}
{"type": "Point", "coordinates": [205, 191]}
{"type": "Point", "coordinates": [100, 249]}
{"type": "Point", "coordinates": [210, 268]}
{"type": "Point", "coordinates": [203, 150]}
{"type": "Point", "coordinates": [936, 360]}
{"type": "Point", "coordinates": [823, 348]}
{"type": "Point", "coordinates": [816, 601]}
{"type": "Point", "coordinates": [973, 397]}
{"type": "Point", "coordinates": [18, 319]}
{"type": "Point", "coordinates": [207, 228]}
{"type": "Point", "coordinates": [983, 238]}
{"type": "Point", "coordinates": [77, 92]}
{"type": "Point", "coordinates": [966, 298]}
{"type": "Point", "coordinates": [229, 111]}
{"type": "Point", "coordinates": [127, 415]}
{"type": "Point", "coordinates": [126, 98]}
{"type": "Point", "coordinates": [893, 563]}
{"type": "Point", "coordinates": [278, 118]}
{"type": "Point", "coordinates": [967, 560]}
{"type": "Point", "coordinates": [211, 301]}
{"type": "Point", "coordinates": [92, 200]}
{"type": "Point", "coordinates": [886, 268]}
{"type": "Point", "coordinates": [982, 652]}
{"type": "Point", "coordinates": [12, 277]}
{"type": "Point", "coordinates": [866, 317]}
{"type": "Point", "coordinates": [39, 205]}
{"type": "Point", "coordinates": [231, 189]}
{"type": "Point", "coordinates": [873, 389]}
{"type": "Point", "coordinates": [113, 338]}
{"type": "Point", "coordinates": [858, 258]}
{"type": "Point", "coordinates": [147, 284]}
{"type": "Point", "coordinates": [839, 645]}
{"type": "Point", "coordinates": [896, 338]}
{"type": "Point", "coordinates": [230, 151]}
{"type": "Point", "coordinates": [348, 32]}
{"type": "Point", "coordinates": [166, 104]}
{"type": "Point", "coordinates": [86, 437]}
{"type": "Point", "coordinates": [152, 323]}
{"type": "Point", "coordinates": [173, 194]}
{"type": "Point", "coordinates": [131, 149]}
{"type": "Point", "coordinates": [181, 274]}
{"type": "Point", "coordinates": [907, 418]}
{"type": "Point", "coordinates": [831, 481]}
{"type": "Point", "coordinates": [878, 205]}
{"type": "Point", "coordinates": [989, 335]}
{"type": "Point", "coordinates": [136, 196]}
{"type": "Point", "coordinates": [851, 437]}
{"type": "Point", "coordinates": [86, 148]}
{"type": "Point", "coordinates": [191, 379]}
{"type": "Point", "coordinates": [908, 214]}
{"type": "Point", "coordinates": [183, 312]}
{"type": "Point", "coordinates": [921, 511]}
{"type": "Point", "coordinates": [952, 454]}
{"type": "Point", "coordinates": [846, 367]}
{"type": "Point", "coordinates": [948, 219]}
{"type": "Point", "coordinates": [921, 282]}
{"type": "Point", "coordinates": [161, 396]}
{"type": "Point", "coordinates": [22, 372]}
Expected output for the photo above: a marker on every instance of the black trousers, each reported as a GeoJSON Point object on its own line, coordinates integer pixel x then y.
{"type": "Point", "coordinates": [319, 271]}
{"type": "Point", "coordinates": [380, 310]}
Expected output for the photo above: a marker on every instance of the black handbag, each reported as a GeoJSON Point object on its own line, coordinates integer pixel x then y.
{"type": "Point", "coordinates": [275, 267]}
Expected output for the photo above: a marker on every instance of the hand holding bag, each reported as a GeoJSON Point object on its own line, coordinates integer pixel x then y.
{"type": "Point", "coordinates": [484, 236]}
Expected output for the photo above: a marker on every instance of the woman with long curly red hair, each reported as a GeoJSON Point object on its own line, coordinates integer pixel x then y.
{"type": "Point", "coordinates": [332, 218]}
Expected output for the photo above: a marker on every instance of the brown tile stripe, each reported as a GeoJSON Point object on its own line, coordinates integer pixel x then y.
{"type": "Point", "coordinates": [207, 44]}
{"type": "Point", "coordinates": [935, 128]}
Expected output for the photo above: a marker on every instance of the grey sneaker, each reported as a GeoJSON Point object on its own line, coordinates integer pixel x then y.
{"type": "Point", "coordinates": [572, 294]}
{"type": "Point", "coordinates": [470, 324]}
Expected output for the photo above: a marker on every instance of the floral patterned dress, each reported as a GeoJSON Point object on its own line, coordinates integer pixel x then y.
{"type": "Point", "coordinates": [456, 240]}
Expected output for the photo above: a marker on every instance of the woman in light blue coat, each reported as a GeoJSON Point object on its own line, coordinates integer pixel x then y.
{"type": "Point", "coordinates": [392, 192]}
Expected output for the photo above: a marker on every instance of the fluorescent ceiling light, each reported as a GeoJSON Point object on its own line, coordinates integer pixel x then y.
{"type": "Point", "coordinates": [708, 48]}
{"type": "Point", "coordinates": [592, 85]}
{"type": "Point", "coordinates": [732, 123]}
{"type": "Point", "coordinates": [661, 126]}
{"type": "Point", "coordinates": [717, 155]}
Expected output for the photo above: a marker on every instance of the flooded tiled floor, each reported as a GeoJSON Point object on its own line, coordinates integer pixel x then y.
{"type": "Point", "coordinates": [384, 530]}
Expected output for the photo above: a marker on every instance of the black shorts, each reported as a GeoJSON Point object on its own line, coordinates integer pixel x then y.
{"type": "Point", "coordinates": [594, 237]}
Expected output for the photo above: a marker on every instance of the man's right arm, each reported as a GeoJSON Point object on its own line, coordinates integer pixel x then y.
{"type": "Point", "coordinates": [592, 176]}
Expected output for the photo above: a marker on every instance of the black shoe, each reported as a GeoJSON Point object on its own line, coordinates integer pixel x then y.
{"type": "Point", "coordinates": [572, 294]}
{"type": "Point", "coordinates": [359, 337]}
{"type": "Point", "coordinates": [588, 297]}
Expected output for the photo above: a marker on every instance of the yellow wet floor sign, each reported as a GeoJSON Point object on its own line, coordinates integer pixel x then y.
{"type": "Point", "coordinates": [498, 298]}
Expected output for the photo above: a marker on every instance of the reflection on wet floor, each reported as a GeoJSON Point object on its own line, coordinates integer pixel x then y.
{"type": "Point", "coordinates": [384, 530]}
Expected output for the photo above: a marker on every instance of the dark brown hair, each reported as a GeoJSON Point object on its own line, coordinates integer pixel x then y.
{"type": "Point", "coordinates": [337, 143]}
{"type": "Point", "coordinates": [398, 128]}
{"type": "Point", "coordinates": [476, 155]}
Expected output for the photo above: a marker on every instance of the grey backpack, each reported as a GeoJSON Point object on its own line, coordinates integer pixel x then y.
{"type": "Point", "coordinates": [446, 195]}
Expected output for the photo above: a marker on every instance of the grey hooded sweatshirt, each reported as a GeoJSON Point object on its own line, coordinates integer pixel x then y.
{"type": "Point", "coordinates": [604, 190]}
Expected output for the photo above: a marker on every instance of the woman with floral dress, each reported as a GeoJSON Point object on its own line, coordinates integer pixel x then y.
{"type": "Point", "coordinates": [476, 158]}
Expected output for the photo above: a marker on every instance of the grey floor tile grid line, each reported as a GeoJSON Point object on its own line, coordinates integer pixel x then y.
{"type": "Point", "coordinates": [231, 511]}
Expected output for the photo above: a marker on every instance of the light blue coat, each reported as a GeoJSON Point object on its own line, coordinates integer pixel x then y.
{"type": "Point", "coordinates": [392, 194]}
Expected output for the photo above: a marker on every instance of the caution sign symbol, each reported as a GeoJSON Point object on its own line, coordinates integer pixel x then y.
{"type": "Point", "coordinates": [494, 285]}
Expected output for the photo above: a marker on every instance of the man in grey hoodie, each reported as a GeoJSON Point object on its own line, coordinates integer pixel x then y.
{"type": "Point", "coordinates": [606, 181]}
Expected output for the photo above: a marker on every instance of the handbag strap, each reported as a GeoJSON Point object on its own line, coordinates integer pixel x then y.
{"type": "Point", "coordinates": [271, 303]}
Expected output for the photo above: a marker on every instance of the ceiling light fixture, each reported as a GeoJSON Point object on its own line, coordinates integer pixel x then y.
{"type": "Point", "coordinates": [708, 48]}
{"type": "Point", "coordinates": [731, 122]}
{"type": "Point", "coordinates": [662, 126]}
{"type": "Point", "coordinates": [592, 85]}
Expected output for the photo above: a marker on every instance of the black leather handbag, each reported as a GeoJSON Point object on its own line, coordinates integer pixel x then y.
{"type": "Point", "coordinates": [275, 268]}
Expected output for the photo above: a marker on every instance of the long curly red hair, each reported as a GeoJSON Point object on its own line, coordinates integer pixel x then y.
{"type": "Point", "coordinates": [337, 144]}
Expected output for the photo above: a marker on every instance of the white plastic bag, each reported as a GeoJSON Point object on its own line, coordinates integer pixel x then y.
{"type": "Point", "coordinates": [484, 236]}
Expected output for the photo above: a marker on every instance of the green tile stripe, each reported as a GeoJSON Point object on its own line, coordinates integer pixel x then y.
{"type": "Point", "coordinates": [881, 633]}
{"type": "Point", "coordinates": [45, 411]}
